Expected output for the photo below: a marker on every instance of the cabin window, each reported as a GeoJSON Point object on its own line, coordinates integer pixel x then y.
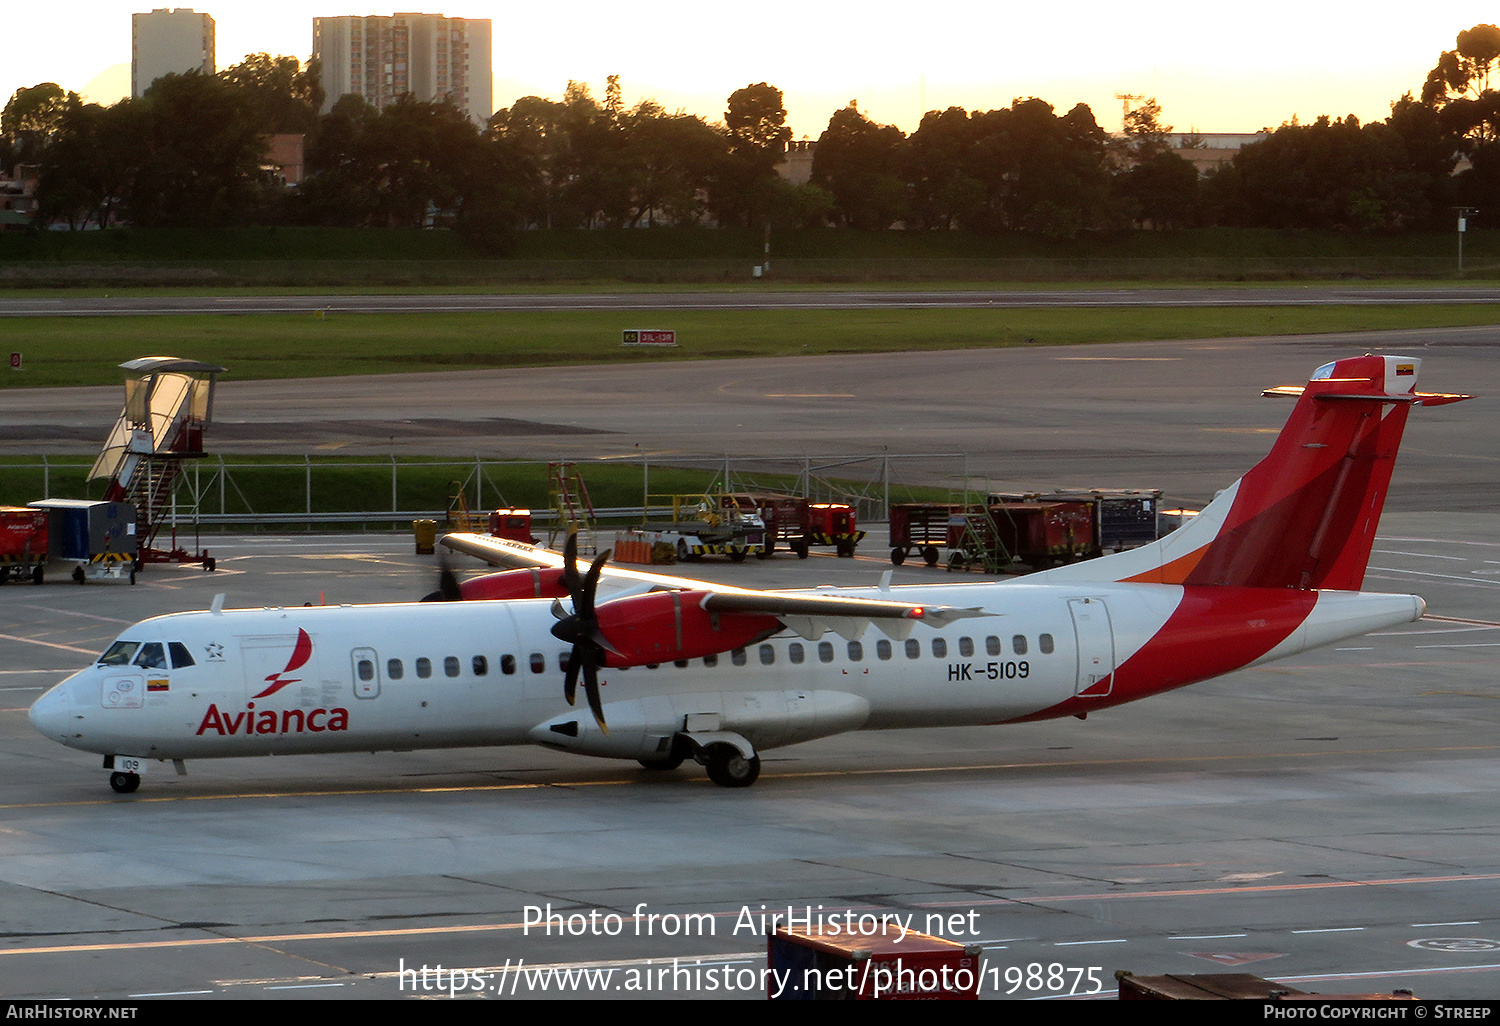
{"type": "Point", "coordinates": [538, 663]}
{"type": "Point", "coordinates": [767, 655]}
{"type": "Point", "coordinates": [795, 652]}
{"type": "Point", "coordinates": [180, 655]}
{"type": "Point", "coordinates": [119, 653]}
{"type": "Point", "coordinates": [965, 647]}
{"type": "Point", "coordinates": [366, 669]}
{"type": "Point", "coordinates": [1019, 644]}
{"type": "Point", "coordinates": [507, 664]}
{"type": "Point", "coordinates": [913, 648]}
{"type": "Point", "coordinates": [711, 660]}
{"type": "Point", "coordinates": [992, 645]}
{"type": "Point", "coordinates": [153, 656]}
{"type": "Point", "coordinates": [856, 652]}
{"type": "Point", "coordinates": [1045, 644]}
{"type": "Point", "coordinates": [737, 657]}
{"type": "Point", "coordinates": [424, 667]}
{"type": "Point", "coordinates": [883, 649]}
{"type": "Point", "coordinates": [393, 669]}
{"type": "Point", "coordinates": [825, 651]}
{"type": "Point", "coordinates": [481, 666]}
{"type": "Point", "coordinates": [450, 666]}
{"type": "Point", "coordinates": [564, 660]}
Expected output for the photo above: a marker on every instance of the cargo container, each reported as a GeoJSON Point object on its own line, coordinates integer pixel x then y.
{"type": "Point", "coordinates": [97, 538]}
{"type": "Point", "coordinates": [866, 958]}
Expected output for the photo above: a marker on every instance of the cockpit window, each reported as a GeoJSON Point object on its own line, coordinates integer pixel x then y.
{"type": "Point", "coordinates": [153, 656]}
{"type": "Point", "coordinates": [119, 653]}
{"type": "Point", "coordinates": [180, 655]}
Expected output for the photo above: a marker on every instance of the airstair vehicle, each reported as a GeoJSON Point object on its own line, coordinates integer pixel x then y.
{"type": "Point", "coordinates": [168, 405]}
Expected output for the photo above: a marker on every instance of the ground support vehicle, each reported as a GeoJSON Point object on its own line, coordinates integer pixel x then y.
{"type": "Point", "coordinates": [877, 961]}
{"type": "Point", "coordinates": [1124, 518]}
{"type": "Point", "coordinates": [799, 523]}
{"type": "Point", "coordinates": [1037, 535]}
{"type": "Point", "coordinates": [702, 525]}
{"type": "Point", "coordinates": [512, 524]}
{"type": "Point", "coordinates": [98, 538]}
{"type": "Point", "coordinates": [23, 543]}
{"type": "Point", "coordinates": [920, 528]}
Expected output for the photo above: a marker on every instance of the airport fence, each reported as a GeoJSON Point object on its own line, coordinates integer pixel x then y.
{"type": "Point", "coordinates": [369, 493]}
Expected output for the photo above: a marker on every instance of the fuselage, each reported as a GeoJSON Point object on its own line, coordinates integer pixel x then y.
{"type": "Point", "coordinates": [432, 675]}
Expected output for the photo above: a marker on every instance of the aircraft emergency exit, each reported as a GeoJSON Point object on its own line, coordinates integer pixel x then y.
{"type": "Point", "coordinates": [674, 669]}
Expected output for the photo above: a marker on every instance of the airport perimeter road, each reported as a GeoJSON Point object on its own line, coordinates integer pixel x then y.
{"type": "Point", "coordinates": [749, 298]}
{"type": "Point", "coordinates": [1327, 821]}
{"type": "Point", "coordinates": [1186, 417]}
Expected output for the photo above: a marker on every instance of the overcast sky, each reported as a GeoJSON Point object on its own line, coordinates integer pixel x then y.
{"type": "Point", "coordinates": [1212, 70]}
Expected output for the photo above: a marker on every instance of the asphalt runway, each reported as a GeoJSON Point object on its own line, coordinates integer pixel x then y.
{"type": "Point", "coordinates": [755, 298]}
{"type": "Point", "coordinates": [1328, 821]}
{"type": "Point", "coordinates": [1023, 418]}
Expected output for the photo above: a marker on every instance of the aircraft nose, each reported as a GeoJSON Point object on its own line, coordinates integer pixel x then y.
{"type": "Point", "coordinates": [49, 714]}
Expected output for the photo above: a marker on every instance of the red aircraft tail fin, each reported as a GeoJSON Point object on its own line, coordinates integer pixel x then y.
{"type": "Point", "coordinates": [1305, 516]}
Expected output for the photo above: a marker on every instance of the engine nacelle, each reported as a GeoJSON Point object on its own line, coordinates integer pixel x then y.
{"type": "Point", "coordinates": [665, 626]}
{"type": "Point", "coordinates": [516, 584]}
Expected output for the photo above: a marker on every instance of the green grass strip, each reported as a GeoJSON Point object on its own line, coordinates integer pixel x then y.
{"type": "Point", "coordinates": [70, 351]}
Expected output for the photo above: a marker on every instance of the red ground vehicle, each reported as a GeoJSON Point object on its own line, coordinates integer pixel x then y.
{"type": "Point", "coordinates": [920, 528]}
{"type": "Point", "coordinates": [23, 543]}
{"type": "Point", "coordinates": [800, 523]}
{"type": "Point", "coordinates": [512, 524]}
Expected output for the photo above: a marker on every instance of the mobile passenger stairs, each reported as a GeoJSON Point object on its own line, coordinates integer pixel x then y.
{"type": "Point", "coordinates": [168, 404]}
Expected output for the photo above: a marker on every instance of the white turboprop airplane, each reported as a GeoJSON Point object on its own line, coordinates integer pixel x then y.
{"type": "Point", "coordinates": [693, 670]}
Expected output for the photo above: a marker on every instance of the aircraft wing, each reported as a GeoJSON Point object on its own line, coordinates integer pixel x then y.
{"type": "Point", "coordinates": [806, 613]}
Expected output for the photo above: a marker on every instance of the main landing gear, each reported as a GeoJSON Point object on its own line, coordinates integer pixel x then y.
{"type": "Point", "coordinates": [727, 766]}
{"type": "Point", "coordinates": [124, 783]}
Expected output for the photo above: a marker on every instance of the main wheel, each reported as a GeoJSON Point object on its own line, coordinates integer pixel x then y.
{"type": "Point", "coordinates": [728, 768]}
{"type": "Point", "coordinates": [124, 783]}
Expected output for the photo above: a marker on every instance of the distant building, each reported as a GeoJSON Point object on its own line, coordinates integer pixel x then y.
{"type": "Point", "coordinates": [427, 55]}
{"type": "Point", "coordinates": [1206, 151]}
{"type": "Point", "coordinates": [18, 197]}
{"type": "Point", "coordinates": [169, 42]}
{"type": "Point", "coordinates": [283, 158]}
{"type": "Point", "coordinates": [796, 166]}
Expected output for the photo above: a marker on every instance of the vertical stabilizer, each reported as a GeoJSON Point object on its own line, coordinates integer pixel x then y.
{"type": "Point", "coordinates": [1305, 516]}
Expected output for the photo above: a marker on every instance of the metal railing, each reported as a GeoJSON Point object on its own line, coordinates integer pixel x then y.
{"type": "Point", "coordinates": [212, 492]}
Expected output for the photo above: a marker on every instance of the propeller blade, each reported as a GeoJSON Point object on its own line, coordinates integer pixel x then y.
{"type": "Point", "coordinates": [591, 689]}
{"type": "Point", "coordinates": [448, 589]}
{"type": "Point", "coordinates": [570, 678]}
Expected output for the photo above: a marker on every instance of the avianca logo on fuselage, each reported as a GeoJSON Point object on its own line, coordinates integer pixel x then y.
{"type": "Point", "coordinates": [301, 653]}
{"type": "Point", "coordinates": [268, 721]}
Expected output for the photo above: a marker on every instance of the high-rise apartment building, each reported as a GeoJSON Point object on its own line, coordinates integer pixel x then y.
{"type": "Point", "coordinates": [169, 42]}
{"type": "Point", "coordinates": [427, 55]}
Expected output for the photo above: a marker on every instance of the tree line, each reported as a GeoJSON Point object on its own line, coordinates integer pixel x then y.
{"type": "Point", "coordinates": [191, 152]}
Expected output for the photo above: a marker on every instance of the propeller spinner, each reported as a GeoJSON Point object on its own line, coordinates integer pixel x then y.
{"type": "Point", "coordinates": [581, 630]}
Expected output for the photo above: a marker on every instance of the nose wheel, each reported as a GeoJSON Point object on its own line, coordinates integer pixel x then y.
{"type": "Point", "coordinates": [124, 783]}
